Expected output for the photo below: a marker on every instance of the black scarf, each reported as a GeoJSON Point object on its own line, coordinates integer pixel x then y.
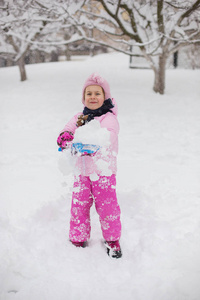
{"type": "Point", "coordinates": [106, 107]}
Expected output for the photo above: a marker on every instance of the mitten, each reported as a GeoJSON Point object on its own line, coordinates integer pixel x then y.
{"type": "Point", "coordinates": [63, 138]}
{"type": "Point", "coordinates": [81, 120]}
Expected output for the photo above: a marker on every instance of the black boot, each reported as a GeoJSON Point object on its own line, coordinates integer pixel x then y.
{"type": "Point", "coordinates": [113, 249]}
{"type": "Point", "coordinates": [80, 244]}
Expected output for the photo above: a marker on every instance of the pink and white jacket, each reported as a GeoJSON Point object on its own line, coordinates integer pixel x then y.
{"type": "Point", "coordinates": [88, 165]}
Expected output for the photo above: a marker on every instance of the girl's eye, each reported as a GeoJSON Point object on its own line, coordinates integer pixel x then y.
{"type": "Point", "coordinates": [89, 94]}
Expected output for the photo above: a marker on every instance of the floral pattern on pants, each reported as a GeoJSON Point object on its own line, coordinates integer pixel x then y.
{"type": "Point", "coordinates": [103, 193]}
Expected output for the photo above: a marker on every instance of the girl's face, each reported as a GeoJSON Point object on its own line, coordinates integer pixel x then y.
{"type": "Point", "coordinates": [94, 97]}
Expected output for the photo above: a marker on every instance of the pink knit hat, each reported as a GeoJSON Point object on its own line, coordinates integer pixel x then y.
{"type": "Point", "coordinates": [96, 79]}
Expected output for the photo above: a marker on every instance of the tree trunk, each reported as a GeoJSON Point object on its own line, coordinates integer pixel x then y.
{"type": "Point", "coordinates": [67, 53]}
{"type": "Point", "coordinates": [22, 69]}
{"type": "Point", "coordinates": [159, 73]}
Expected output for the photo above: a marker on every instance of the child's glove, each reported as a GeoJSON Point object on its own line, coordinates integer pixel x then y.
{"type": "Point", "coordinates": [81, 120]}
{"type": "Point", "coordinates": [63, 138]}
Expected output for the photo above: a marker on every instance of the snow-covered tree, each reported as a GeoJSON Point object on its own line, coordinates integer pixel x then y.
{"type": "Point", "coordinates": [16, 30]}
{"type": "Point", "coordinates": [157, 28]}
{"type": "Point", "coordinates": [33, 24]}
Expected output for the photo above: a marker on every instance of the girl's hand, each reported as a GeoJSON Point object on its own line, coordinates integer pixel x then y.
{"type": "Point", "coordinates": [81, 120]}
{"type": "Point", "coordinates": [63, 138]}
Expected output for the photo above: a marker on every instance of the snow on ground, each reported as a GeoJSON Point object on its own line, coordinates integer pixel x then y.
{"type": "Point", "coordinates": [158, 186]}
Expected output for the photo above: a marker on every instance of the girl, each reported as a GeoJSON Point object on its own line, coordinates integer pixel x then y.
{"type": "Point", "coordinates": [99, 106]}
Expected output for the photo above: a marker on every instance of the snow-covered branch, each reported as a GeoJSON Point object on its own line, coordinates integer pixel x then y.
{"type": "Point", "coordinates": [189, 11]}
{"type": "Point", "coordinates": [73, 39]}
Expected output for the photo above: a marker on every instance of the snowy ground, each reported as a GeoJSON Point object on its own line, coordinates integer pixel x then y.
{"type": "Point", "coordinates": [158, 186]}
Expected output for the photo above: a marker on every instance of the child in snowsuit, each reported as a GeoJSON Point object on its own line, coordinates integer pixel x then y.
{"type": "Point", "coordinates": [98, 105]}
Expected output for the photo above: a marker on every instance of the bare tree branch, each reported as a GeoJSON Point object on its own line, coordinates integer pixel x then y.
{"type": "Point", "coordinates": [160, 19]}
{"type": "Point", "coordinates": [188, 12]}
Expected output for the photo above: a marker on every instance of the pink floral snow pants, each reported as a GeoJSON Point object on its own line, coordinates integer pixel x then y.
{"type": "Point", "coordinates": [103, 192]}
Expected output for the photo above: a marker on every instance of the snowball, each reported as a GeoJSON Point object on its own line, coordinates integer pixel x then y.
{"type": "Point", "coordinates": [66, 162]}
{"type": "Point", "coordinates": [94, 177]}
{"type": "Point", "coordinates": [92, 133]}
{"type": "Point", "coordinates": [103, 167]}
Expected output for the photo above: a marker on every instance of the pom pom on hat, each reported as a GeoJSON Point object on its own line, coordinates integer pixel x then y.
{"type": "Point", "coordinates": [96, 79]}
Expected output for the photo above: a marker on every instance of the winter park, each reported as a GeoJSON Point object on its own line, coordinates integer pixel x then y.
{"type": "Point", "coordinates": [157, 164]}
